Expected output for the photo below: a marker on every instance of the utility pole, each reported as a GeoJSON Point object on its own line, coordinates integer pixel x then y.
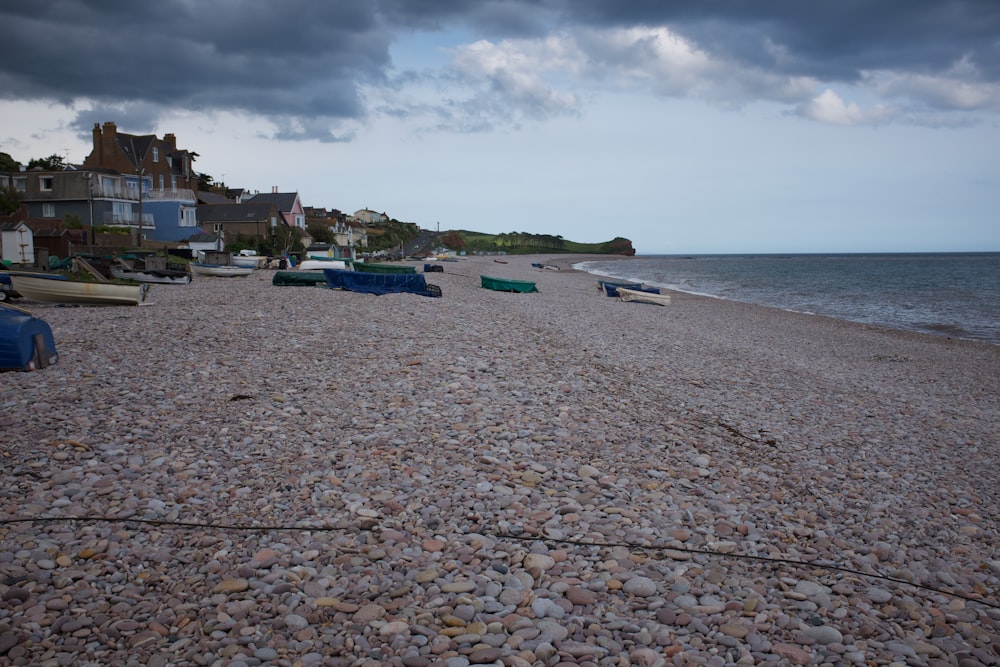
{"type": "Point", "coordinates": [138, 242]}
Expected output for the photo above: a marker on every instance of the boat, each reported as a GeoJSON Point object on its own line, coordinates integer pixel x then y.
{"type": "Point", "coordinates": [7, 291]}
{"type": "Point", "coordinates": [157, 276]}
{"type": "Point", "coordinates": [299, 278]}
{"type": "Point", "coordinates": [610, 288]}
{"type": "Point", "coordinates": [384, 268]}
{"type": "Point", "coordinates": [644, 296]}
{"type": "Point", "coordinates": [26, 342]}
{"type": "Point", "coordinates": [380, 283]}
{"type": "Point", "coordinates": [500, 261]}
{"type": "Point", "coordinates": [220, 270]}
{"type": "Point", "coordinates": [56, 290]}
{"type": "Point", "coordinates": [247, 258]}
{"type": "Point", "coordinates": [507, 285]}
{"type": "Point", "coordinates": [320, 264]}
{"type": "Point", "coordinates": [433, 268]}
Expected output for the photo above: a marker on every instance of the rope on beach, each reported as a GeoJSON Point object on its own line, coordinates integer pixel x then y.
{"type": "Point", "coordinates": [662, 549]}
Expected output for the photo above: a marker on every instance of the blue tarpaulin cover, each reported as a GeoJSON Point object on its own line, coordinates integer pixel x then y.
{"type": "Point", "coordinates": [379, 283]}
{"type": "Point", "coordinates": [26, 342]}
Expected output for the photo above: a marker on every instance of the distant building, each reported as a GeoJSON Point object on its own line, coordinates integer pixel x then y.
{"type": "Point", "coordinates": [369, 217]}
{"type": "Point", "coordinates": [288, 204]}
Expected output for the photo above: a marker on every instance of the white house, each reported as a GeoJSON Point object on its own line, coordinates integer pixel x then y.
{"type": "Point", "coordinates": [370, 217]}
{"type": "Point", "coordinates": [17, 243]}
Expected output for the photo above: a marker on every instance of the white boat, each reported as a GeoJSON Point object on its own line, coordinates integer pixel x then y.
{"type": "Point", "coordinates": [74, 291]}
{"type": "Point", "coordinates": [640, 296]}
{"type": "Point", "coordinates": [220, 270]}
{"type": "Point", "coordinates": [158, 276]}
{"type": "Point", "coordinates": [251, 261]}
{"type": "Point", "coordinates": [320, 264]}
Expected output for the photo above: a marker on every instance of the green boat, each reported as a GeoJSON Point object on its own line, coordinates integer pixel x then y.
{"type": "Point", "coordinates": [383, 268]}
{"type": "Point", "coordinates": [507, 285]}
{"type": "Point", "coordinates": [299, 278]}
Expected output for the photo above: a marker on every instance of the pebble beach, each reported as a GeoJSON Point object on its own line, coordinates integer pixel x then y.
{"type": "Point", "coordinates": [236, 473]}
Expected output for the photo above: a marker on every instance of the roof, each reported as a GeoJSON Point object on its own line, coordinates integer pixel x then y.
{"type": "Point", "coordinates": [248, 212]}
{"type": "Point", "coordinates": [205, 197]}
{"type": "Point", "coordinates": [135, 146]}
{"type": "Point", "coordinates": [285, 201]}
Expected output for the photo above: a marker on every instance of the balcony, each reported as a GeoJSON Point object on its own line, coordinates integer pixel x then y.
{"type": "Point", "coordinates": [171, 194]}
{"type": "Point", "coordinates": [119, 220]}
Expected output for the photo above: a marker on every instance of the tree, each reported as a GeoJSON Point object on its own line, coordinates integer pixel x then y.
{"type": "Point", "coordinates": [320, 233]}
{"type": "Point", "coordinates": [10, 200]}
{"type": "Point", "coordinates": [7, 163]}
{"type": "Point", "coordinates": [51, 163]}
{"type": "Point", "coordinates": [205, 182]}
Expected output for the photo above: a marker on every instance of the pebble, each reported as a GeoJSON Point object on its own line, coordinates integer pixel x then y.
{"type": "Point", "coordinates": [447, 469]}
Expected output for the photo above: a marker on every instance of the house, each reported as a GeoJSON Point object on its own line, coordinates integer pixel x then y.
{"type": "Point", "coordinates": [288, 204]}
{"type": "Point", "coordinates": [230, 221]}
{"type": "Point", "coordinates": [161, 175]}
{"type": "Point", "coordinates": [17, 243]}
{"type": "Point", "coordinates": [106, 198]}
{"type": "Point", "coordinates": [366, 216]}
{"type": "Point", "coordinates": [347, 234]}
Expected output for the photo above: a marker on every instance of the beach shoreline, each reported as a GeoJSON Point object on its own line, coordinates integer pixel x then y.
{"type": "Point", "coordinates": [489, 476]}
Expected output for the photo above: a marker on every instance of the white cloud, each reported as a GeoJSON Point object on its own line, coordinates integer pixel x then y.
{"type": "Point", "coordinates": [961, 88]}
{"type": "Point", "coordinates": [828, 107]}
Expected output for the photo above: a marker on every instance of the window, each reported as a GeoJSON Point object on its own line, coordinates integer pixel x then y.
{"type": "Point", "coordinates": [173, 182]}
{"type": "Point", "coordinates": [122, 213]}
{"type": "Point", "coordinates": [189, 217]}
{"type": "Point", "coordinates": [21, 184]}
{"type": "Point", "coordinates": [48, 210]}
{"type": "Point", "coordinates": [45, 183]}
{"type": "Point", "coordinates": [161, 181]}
{"type": "Point", "coordinates": [156, 154]}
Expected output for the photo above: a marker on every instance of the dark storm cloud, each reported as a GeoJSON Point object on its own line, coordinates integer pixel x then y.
{"type": "Point", "coordinates": [826, 39]}
{"type": "Point", "coordinates": [306, 60]}
{"type": "Point", "coordinates": [820, 38]}
{"type": "Point", "coordinates": [296, 58]}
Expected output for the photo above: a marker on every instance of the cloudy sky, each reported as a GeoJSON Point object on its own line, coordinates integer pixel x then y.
{"type": "Point", "coordinates": [687, 127]}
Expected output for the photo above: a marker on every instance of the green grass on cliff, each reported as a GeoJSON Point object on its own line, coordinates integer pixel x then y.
{"type": "Point", "coordinates": [522, 243]}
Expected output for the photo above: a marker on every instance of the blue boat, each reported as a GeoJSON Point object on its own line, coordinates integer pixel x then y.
{"type": "Point", "coordinates": [610, 287]}
{"type": "Point", "coordinates": [379, 283]}
{"type": "Point", "coordinates": [26, 342]}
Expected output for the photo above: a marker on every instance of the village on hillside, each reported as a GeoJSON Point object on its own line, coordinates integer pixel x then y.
{"type": "Point", "coordinates": [142, 191]}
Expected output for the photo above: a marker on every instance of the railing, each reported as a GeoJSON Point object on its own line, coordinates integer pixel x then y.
{"type": "Point", "coordinates": [117, 191]}
{"type": "Point", "coordinates": [118, 220]}
{"type": "Point", "coordinates": [175, 194]}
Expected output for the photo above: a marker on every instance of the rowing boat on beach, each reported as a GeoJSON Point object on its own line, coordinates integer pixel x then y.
{"type": "Point", "coordinates": [220, 270]}
{"type": "Point", "coordinates": [644, 296]}
{"type": "Point", "coordinates": [384, 268]}
{"type": "Point", "coordinates": [299, 278]}
{"type": "Point", "coordinates": [26, 342]}
{"type": "Point", "coordinates": [156, 276]}
{"type": "Point", "coordinates": [611, 287]}
{"type": "Point", "coordinates": [507, 285]}
{"type": "Point", "coordinates": [320, 264]}
{"type": "Point", "coordinates": [50, 290]}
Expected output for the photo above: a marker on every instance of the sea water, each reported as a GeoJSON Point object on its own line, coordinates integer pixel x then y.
{"type": "Point", "coordinates": [955, 295]}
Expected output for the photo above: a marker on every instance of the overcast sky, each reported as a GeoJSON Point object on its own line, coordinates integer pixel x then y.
{"type": "Point", "coordinates": [687, 127]}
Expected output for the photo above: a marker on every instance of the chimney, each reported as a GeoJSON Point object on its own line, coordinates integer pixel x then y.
{"type": "Point", "coordinates": [170, 140]}
{"type": "Point", "coordinates": [98, 152]}
{"type": "Point", "coordinates": [274, 189]}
